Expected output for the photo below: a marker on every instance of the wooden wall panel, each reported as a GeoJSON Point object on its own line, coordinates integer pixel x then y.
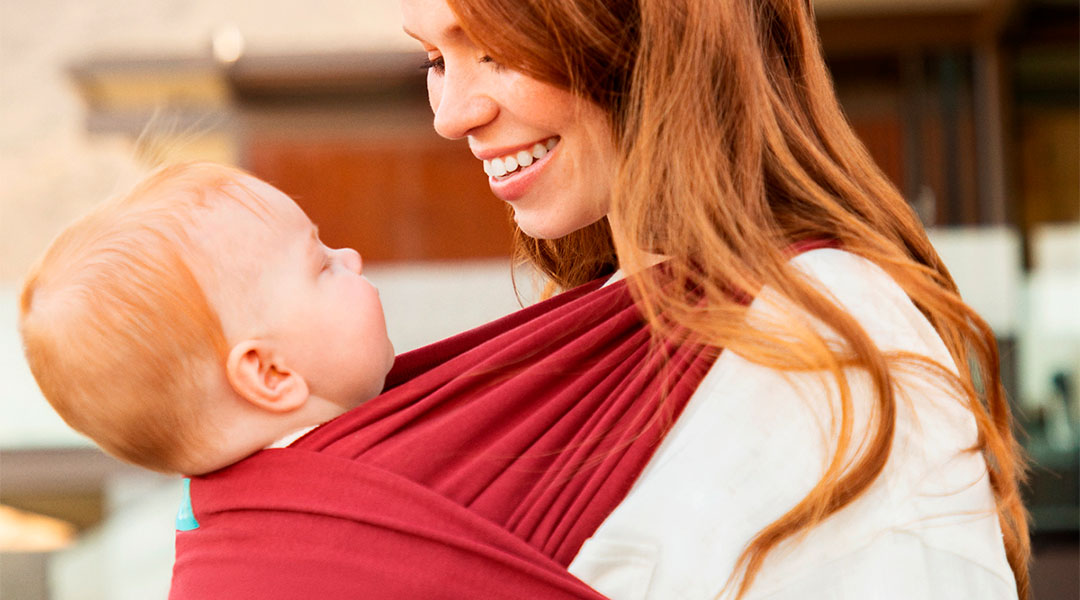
{"type": "Point", "coordinates": [1049, 173]}
{"type": "Point", "coordinates": [391, 200]}
{"type": "Point", "coordinates": [883, 135]}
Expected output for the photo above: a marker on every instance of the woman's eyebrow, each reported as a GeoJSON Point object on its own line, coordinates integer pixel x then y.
{"type": "Point", "coordinates": [452, 32]}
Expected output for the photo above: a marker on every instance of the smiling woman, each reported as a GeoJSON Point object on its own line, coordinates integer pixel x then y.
{"type": "Point", "coordinates": [509, 119]}
{"type": "Point", "coordinates": [857, 399]}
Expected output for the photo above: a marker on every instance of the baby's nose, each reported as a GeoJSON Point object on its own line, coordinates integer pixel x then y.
{"type": "Point", "coordinates": [351, 259]}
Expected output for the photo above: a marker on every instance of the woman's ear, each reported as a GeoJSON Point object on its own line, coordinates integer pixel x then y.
{"type": "Point", "coordinates": [260, 376]}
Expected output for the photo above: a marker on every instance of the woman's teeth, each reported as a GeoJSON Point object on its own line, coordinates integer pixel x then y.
{"type": "Point", "coordinates": [498, 167]}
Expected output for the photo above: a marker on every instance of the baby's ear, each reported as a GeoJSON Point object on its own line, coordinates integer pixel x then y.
{"type": "Point", "coordinates": [260, 376]}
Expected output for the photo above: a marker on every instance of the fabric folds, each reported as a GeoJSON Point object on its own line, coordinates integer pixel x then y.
{"type": "Point", "coordinates": [479, 472]}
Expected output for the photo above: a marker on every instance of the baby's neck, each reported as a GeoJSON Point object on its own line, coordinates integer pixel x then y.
{"type": "Point", "coordinates": [244, 429]}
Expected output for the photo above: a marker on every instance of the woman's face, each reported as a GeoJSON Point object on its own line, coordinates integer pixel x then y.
{"type": "Point", "coordinates": [546, 152]}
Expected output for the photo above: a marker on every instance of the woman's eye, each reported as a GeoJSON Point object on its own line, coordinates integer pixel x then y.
{"type": "Point", "coordinates": [487, 59]}
{"type": "Point", "coordinates": [434, 64]}
{"type": "Point", "coordinates": [438, 64]}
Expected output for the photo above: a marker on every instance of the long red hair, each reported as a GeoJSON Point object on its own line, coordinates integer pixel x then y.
{"type": "Point", "coordinates": [732, 147]}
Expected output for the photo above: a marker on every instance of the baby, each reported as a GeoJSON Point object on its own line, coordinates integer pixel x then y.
{"type": "Point", "coordinates": [200, 319]}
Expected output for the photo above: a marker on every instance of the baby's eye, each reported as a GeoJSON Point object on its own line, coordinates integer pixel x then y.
{"type": "Point", "coordinates": [436, 64]}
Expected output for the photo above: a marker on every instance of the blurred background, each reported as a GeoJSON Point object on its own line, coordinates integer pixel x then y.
{"type": "Point", "coordinates": [971, 106]}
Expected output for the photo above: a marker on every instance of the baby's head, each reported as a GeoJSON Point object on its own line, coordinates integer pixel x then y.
{"type": "Point", "coordinates": [198, 319]}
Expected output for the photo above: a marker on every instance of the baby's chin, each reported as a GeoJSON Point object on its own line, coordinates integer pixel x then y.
{"type": "Point", "coordinates": [362, 397]}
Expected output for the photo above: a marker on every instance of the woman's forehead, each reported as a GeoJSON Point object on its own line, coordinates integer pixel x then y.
{"type": "Point", "coordinates": [430, 21]}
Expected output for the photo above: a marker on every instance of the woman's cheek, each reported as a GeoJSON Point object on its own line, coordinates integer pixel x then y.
{"type": "Point", "coordinates": [434, 87]}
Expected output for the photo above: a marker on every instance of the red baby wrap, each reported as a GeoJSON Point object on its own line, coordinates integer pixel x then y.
{"type": "Point", "coordinates": [478, 473]}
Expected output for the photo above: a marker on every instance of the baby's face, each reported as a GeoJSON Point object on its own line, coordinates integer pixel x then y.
{"type": "Point", "coordinates": [312, 301]}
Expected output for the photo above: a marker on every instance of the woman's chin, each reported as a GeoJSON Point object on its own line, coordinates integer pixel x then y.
{"type": "Point", "coordinates": [541, 226]}
{"type": "Point", "coordinates": [537, 233]}
{"type": "Point", "coordinates": [544, 231]}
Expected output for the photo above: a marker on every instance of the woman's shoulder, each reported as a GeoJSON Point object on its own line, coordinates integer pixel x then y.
{"type": "Point", "coordinates": [754, 440]}
{"type": "Point", "coordinates": [847, 276]}
{"type": "Point", "coordinates": [835, 267]}
{"type": "Point", "coordinates": [872, 297]}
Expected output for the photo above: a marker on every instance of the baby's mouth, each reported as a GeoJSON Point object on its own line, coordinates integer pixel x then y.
{"type": "Point", "coordinates": [512, 164]}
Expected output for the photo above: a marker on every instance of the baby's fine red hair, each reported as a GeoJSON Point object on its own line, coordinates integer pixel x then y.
{"type": "Point", "coordinates": [119, 333]}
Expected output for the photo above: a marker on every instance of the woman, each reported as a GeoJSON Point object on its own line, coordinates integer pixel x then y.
{"type": "Point", "coordinates": [853, 439]}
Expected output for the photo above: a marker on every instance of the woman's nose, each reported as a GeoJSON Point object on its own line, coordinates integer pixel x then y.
{"type": "Point", "coordinates": [461, 104]}
{"type": "Point", "coordinates": [351, 259]}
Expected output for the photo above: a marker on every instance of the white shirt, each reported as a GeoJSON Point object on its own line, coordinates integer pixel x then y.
{"type": "Point", "coordinates": [753, 441]}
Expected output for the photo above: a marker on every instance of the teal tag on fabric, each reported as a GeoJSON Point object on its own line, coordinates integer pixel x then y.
{"type": "Point", "coordinates": [185, 517]}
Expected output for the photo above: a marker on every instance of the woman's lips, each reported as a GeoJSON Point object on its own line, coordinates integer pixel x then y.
{"type": "Point", "coordinates": [512, 185]}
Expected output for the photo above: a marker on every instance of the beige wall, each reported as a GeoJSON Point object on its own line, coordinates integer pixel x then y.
{"type": "Point", "coordinates": [51, 170]}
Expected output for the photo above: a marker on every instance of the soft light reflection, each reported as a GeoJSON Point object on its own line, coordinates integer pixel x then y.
{"type": "Point", "coordinates": [227, 44]}
{"type": "Point", "coordinates": [22, 531]}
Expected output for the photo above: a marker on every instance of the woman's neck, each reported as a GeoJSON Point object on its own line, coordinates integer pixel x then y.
{"type": "Point", "coordinates": [644, 259]}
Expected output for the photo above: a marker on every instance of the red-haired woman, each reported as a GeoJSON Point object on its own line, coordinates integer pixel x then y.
{"type": "Point", "coordinates": [852, 440]}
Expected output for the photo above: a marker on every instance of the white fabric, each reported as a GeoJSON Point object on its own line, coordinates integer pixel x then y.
{"type": "Point", "coordinates": [284, 441]}
{"type": "Point", "coordinates": [753, 441]}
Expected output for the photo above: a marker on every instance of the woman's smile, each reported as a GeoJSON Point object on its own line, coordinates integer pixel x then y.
{"type": "Point", "coordinates": [511, 175]}
{"type": "Point", "coordinates": [506, 162]}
